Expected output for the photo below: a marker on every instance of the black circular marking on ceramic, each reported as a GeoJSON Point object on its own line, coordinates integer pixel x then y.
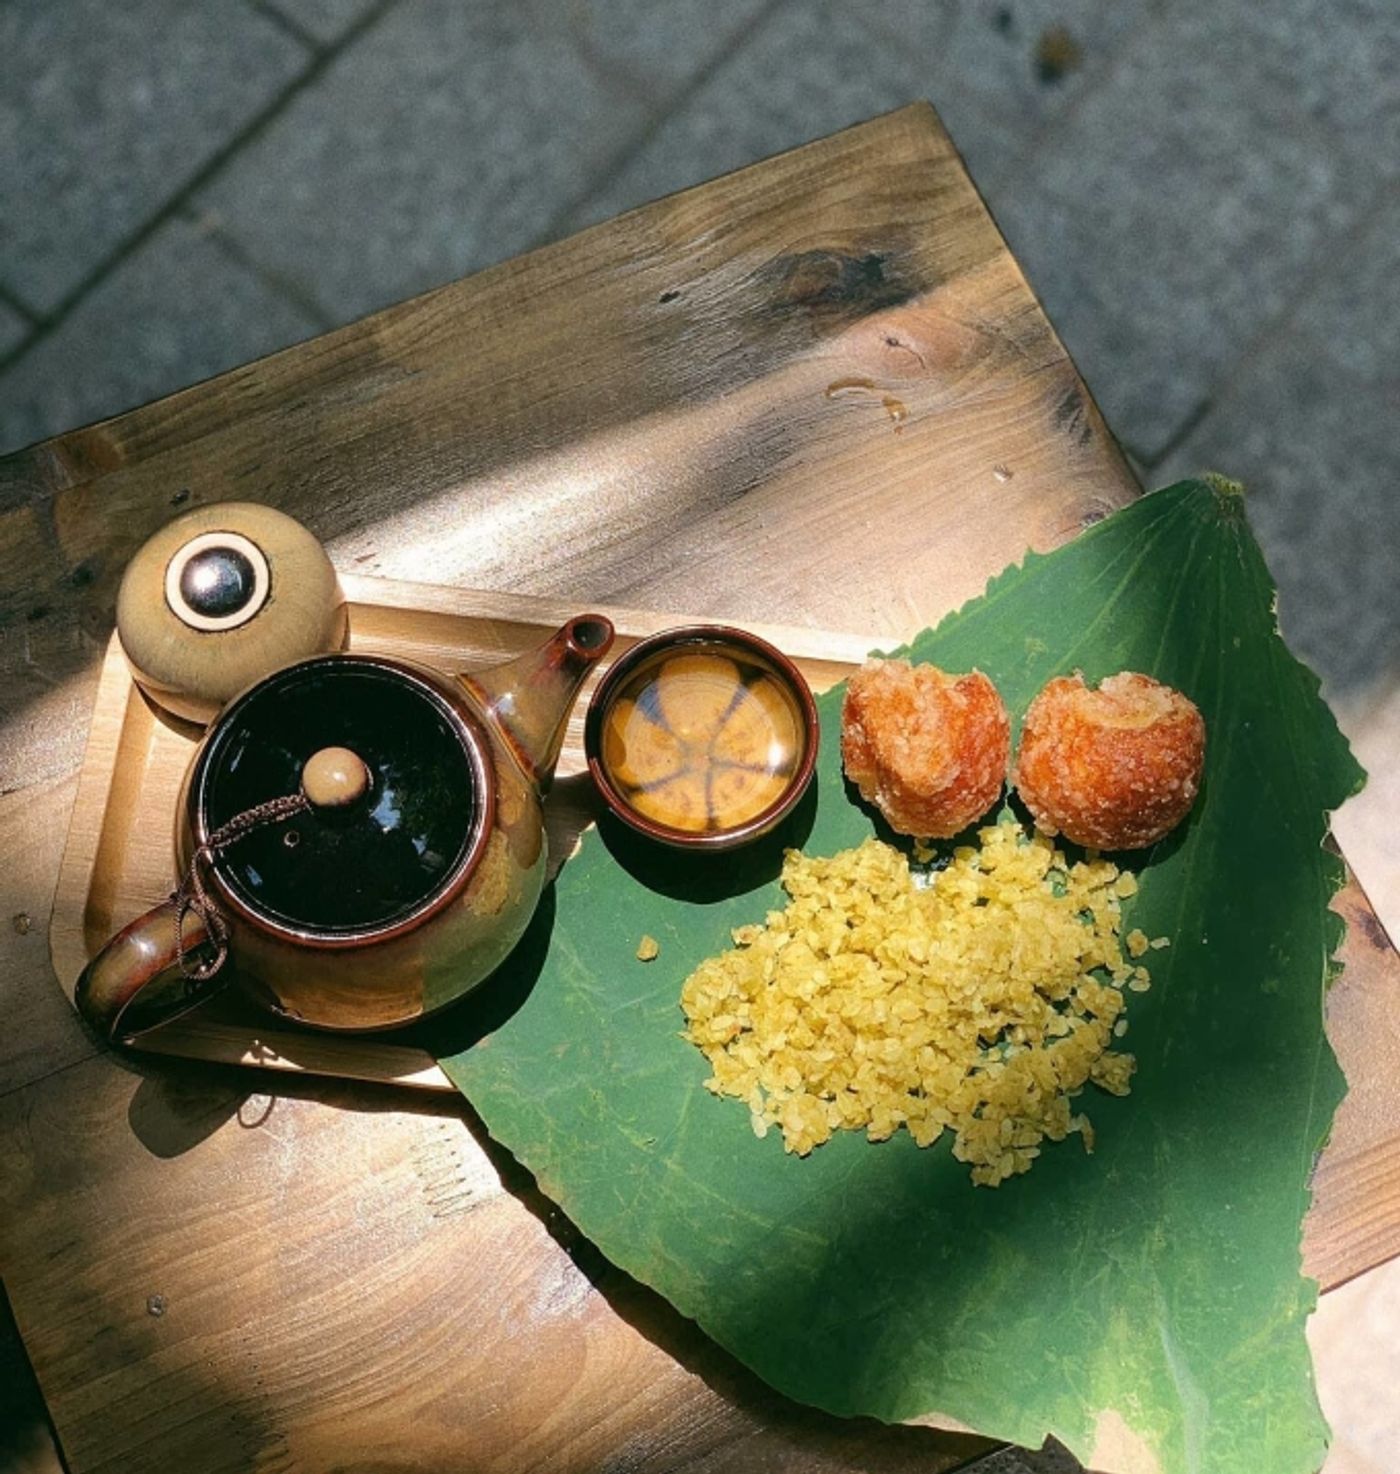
{"type": "Point", "coordinates": [370, 864]}
{"type": "Point", "coordinates": [217, 582]}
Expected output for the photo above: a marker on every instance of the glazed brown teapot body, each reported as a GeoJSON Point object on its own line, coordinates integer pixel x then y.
{"type": "Point", "coordinates": [361, 837]}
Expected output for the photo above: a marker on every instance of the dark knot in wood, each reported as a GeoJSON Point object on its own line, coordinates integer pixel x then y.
{"type": "Point", "coordinates": [835, 287]}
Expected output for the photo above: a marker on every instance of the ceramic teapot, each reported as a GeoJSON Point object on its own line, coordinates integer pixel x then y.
{"type": "Point", "coordinates": [361, 836]}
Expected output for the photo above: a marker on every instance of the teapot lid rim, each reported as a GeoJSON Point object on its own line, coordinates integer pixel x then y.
{"type": "Point", "coordinates": [475, 744]}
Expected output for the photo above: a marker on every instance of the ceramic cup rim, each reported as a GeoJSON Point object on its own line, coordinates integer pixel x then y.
{"type": "Point", "coordinates": [694, 634]}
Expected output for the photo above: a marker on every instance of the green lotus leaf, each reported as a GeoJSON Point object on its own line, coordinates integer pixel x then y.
{"type": "Point", "coordinates": [1153, 1287]}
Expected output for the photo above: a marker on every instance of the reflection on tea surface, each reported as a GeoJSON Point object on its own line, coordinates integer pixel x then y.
{"type": "Point", "coordinates": [702, 738]}
{"type": "Point", "coordinates": [374, 861]}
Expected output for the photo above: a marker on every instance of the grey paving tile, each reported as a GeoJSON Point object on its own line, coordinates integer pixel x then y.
{"type": "Point", "coordinates": [917, 24]}
{"type": "Point", "coordinates": [1170, 221]}
{"type": "Point", "coordinates": [176, 312]}
{"type": "Point", "coordinates": [1339, 67]}
{"type": "Point", "coordinates": [1310, 429]}
{"type": "Point", "coordinates": [810, 69]}
{"type": "Point", "coordinates": [992, 140]}
{"type": "Point", "coordinates": [12, 329]}
{"type": "Point", "coordinates": [1021, 60]}
{"type": "Point", "coordinates": [993, 152]}
{"type": "Point", "coordinates": [445, 139]}
{"type": "Point", "coordinates": [105, 110]}
{"type": "Point", "coordinates": [656, 47]}
{"type": "Point", "coordinates": [1011, 67]}
{"type": "Point", "coordinates": [326, 20]}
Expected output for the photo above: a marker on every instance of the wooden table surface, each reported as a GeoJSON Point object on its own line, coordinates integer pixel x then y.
{"type": "Point", "coordinates": [816, 392]}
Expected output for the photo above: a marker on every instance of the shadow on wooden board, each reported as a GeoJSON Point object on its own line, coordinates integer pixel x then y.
{"type": "Point", "coordinates": [27, 1444]}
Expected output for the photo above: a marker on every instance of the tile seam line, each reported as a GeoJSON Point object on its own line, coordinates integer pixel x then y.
{"type": "Point", "coordinates": [315, 67]}
{"type": "Point", "coordinates": [653, 111]}
{"type": "Point", "coordinates": [653, 119]}
{"type": "Point", "coordinates": [288, 24]}
{"type": "Point", "coordinates": [613, 76]}
{"type": "Point", "coordinates": [212, 227]}
{"type": "Point", "coordinates": [19, 306]}
{"type": "Point", "coordinates": [57, 1070]}
{"type": "Point", "coordinates": [1224, 387]}
{"type": "Point", "coordinates": [48, 1423]}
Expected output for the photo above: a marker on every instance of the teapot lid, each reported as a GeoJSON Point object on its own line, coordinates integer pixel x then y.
{"type": "Point", "coordinates": [378, 847]}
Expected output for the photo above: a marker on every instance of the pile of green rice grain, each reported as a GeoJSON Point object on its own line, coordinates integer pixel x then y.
{"type": "Point", "coordinates": [981, 1003]}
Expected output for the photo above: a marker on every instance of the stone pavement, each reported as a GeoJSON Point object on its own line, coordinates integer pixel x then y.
{"type": "Point", "coordinates": [1205, 194]}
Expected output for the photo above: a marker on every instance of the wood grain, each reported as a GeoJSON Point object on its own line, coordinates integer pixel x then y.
{"type": "Point", "coordinates": [41, 1032]}
{"type": "Point", "coordinates": [1354, 1222]}
{"type": "Point", "coordinates": [638, 415]}
{"type": "Point", "coordinates": [485, 1336]}
{"type": "Point", "coordinates": [683, 408]}
{"type": "Point", "coordinates": [26, 1440]}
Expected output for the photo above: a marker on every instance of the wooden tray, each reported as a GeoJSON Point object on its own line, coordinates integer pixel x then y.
{"type": "Point", "coordinates": [118, 861]}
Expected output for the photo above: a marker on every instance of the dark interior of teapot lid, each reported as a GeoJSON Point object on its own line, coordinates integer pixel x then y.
{"type": "Point", "coordinates": [367, 864]}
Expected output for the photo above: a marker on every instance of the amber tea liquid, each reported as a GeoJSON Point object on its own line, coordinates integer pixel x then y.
{"type": "Point", "coordinates": [702, 738]}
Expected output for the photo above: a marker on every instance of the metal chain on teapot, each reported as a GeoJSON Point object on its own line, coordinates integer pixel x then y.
{"type": "Point", "coordinates": [191, 896]}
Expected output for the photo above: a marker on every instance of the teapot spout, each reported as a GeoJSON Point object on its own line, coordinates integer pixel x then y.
{"type": "Point", "coordinates": [528, 699]}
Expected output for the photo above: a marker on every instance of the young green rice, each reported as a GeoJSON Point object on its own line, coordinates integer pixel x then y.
{"type": "Point", "coordinates": [981, 1004]}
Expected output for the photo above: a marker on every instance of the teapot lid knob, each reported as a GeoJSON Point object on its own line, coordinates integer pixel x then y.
{"type": "Point", "coordinates": [334, 777]}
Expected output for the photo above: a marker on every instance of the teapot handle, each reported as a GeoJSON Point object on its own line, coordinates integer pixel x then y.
{"type": "Point", "coordinates": [135, 983]}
